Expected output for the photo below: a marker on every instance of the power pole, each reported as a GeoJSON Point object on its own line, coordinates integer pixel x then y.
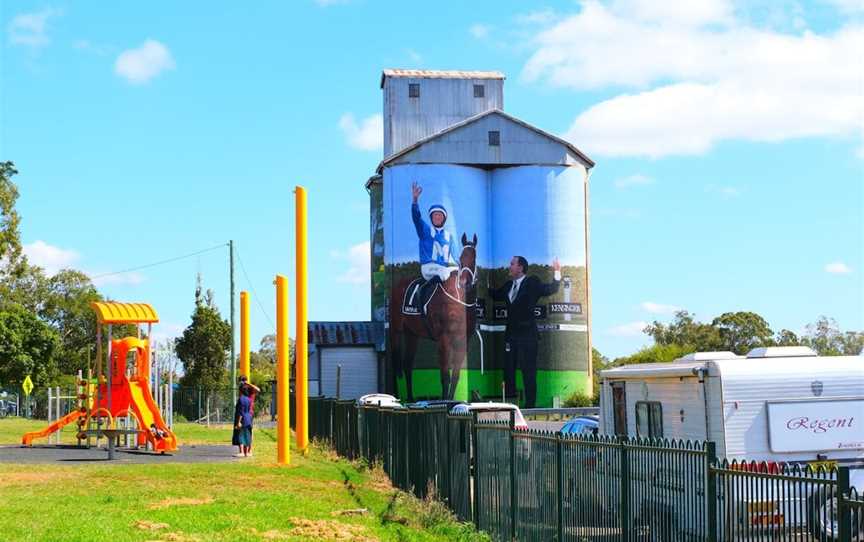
{"type": "Point", "coordinates": [233, 352]}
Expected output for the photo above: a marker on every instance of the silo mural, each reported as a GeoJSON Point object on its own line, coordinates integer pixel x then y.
{"type": "Point", "coordinates": [538, 216]}
{"type": "Point", "coordinates": [437, 245]}
{"type": "Point", "coordinates": [456, 323]}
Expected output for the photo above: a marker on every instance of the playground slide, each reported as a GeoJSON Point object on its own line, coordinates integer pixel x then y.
{"type": "Point", "coordinates": [27, 439]}
{"type": "Point", "coordinates": [149, 415]}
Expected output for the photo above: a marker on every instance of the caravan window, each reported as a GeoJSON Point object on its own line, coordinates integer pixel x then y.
{"type": "Point", "coordinates": [649, 419]}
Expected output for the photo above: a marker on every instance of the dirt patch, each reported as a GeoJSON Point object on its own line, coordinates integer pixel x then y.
{"type": "Point", "coordinates": [145, 525]}
{"type": "Point", "coordinates": [32, 478]}
{"type": "Point", "coordinates": [182, 501]}
{"type": "Point", "coordinates": [328, 530]}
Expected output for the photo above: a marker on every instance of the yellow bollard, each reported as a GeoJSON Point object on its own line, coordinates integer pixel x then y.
{"type": "Point", "coordinates": [283, 374]}
{"type": "Point", "coordinates": [244, 335]}
{"type": "Point", "coordinates": [301, 358]}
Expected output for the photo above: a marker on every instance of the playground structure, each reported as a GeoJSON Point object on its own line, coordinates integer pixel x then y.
{"type": "Point", "coordinates": [118, 400]}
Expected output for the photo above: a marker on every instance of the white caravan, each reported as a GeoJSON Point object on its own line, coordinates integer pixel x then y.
{"type": "Point", "coordinates": [778, 404]}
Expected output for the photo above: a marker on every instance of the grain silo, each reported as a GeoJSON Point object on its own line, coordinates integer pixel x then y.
{"type": "Point", "coordinates": [463, 189]}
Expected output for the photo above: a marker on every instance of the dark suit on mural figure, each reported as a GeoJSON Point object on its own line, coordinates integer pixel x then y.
{"type": "Point", "coordinates": [521, 294]}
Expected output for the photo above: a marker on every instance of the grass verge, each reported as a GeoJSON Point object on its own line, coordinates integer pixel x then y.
{"type": "Point", "coordinates": [318, 497]}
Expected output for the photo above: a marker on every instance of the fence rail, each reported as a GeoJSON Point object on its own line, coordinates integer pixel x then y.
{"type": "Point", "coordinates": [527, 485]}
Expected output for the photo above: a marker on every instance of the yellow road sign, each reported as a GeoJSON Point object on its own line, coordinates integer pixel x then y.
{"type": "Point", "coordinates": [27, 386]}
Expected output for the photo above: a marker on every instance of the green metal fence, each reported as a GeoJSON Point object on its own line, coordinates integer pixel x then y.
{"type": "Point", "coordinates": [527, 485]}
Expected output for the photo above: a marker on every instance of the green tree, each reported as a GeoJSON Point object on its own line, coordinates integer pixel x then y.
{"type": "Point", "coordinates": [741, 332]}
{"type": "Point", "coordinates": [67, 308]}
{"type": "Point", "coordinates": [685, 331]}
{"type": "Point", "coordinates": [785, 337]}
{"type": "Point", "coordinates": [824, 336]}
{"type": "Point", "coordinates": [27, 347]}
{"type": "Point", "coordinates": [10, 240]}
{"type": "Point", "coordinates": [204, 346]}
{"type": "Point", "coordinates": [657, 353]}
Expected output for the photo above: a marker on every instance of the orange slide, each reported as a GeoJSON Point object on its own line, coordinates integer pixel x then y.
{"type": "Point", "coordinates": [162, 439]}
{"type": "Point", "coordinates": [27, 439]}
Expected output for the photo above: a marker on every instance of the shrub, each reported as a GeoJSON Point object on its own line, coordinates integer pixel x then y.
{"type": "Point", "coordinates": [580, 399]}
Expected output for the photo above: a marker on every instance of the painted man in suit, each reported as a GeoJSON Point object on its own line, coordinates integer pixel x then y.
{"type": "Point", "coordinates": [520, 294]}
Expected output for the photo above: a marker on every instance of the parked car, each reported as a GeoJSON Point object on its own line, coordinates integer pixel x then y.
{"type": "Point", "coordinates": [432, 403]}
{"type": "Point", "coordinates": [379, 399]}
{"type": "Point", "coordinates": [492, 412]}
{"type": "Point", "coordinates": [581, 425]}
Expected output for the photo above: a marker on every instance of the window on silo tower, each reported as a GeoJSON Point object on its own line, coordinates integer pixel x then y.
{"type": "Point", "coordinates": [413, 90]}
{"type": "Point", "coordinates": [479, 91]}
{"type": "Point", "coordinates": [495, 138]}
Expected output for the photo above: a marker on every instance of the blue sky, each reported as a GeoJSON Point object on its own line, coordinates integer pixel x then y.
{"type": "Point", "coordinates": [727, 137]}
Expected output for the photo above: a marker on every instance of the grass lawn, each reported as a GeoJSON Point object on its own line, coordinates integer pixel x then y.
{"type": "Point", "coordinates": [249, 499]}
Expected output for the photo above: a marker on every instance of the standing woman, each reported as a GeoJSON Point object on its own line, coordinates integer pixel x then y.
{"type": "Point", "coordinates": [243, 421]}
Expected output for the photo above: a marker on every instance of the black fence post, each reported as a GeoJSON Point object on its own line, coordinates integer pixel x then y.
{"type": "Point", "coordinates": [624, 490]}
{"type": "Point", "coordinates": [844, 516]}
{"type": "Point", "coordinates": [711, 490]}
{"type": "Point", "coordinates": [513, 493]}
{"type": "Point", "coordinates": [559, 481]}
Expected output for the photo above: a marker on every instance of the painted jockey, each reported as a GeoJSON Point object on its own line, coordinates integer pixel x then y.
{"type": "Point", "coordinates": [437, 246]}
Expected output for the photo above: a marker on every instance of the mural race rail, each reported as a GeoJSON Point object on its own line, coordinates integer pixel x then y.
{"type": "Point", "coordinates": [535, 485]}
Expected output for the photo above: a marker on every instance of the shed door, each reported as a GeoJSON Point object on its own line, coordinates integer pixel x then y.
{"type": "Point", "coordinates": [619, 408]}
{"type": "Point", "coordinates": [359, 370]}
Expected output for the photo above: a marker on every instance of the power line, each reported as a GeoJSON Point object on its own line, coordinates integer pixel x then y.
{"type": "Point", "coordinates": [254, 294]}
{"type": "Point", "coordinates": [161, 262]}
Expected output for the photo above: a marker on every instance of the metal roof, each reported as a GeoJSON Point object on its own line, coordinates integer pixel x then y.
{"type": "Point", "coordinates": [124, 313]}
{"type": "Point", "coordinates": [346, 334]}
{"type": "Point", "coordinates": [439, 74]}
{"type": "Point", "coordinates": [475, 118]}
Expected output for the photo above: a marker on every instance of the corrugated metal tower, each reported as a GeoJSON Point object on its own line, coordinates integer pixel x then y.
{"type": "Point", "coordinates": [520, 191]}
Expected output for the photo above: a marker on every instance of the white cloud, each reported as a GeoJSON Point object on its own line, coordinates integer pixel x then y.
{"type": "Point", "coordinates": [50, 258]}
{"type": "Point", "coordinates": [357, 259]}
{"type": "Point", "coordinates": [838, 268]}
{"type": "Point", "coordinates": [633, 180]}
{"type": "Point", "coordinates": [415, 57]}
{"type": "Point", "coordinates": [545, 16]}
{"type": "Point", "coordinates": [698, 77]}
{"type": "Point", "coordinates": [131, 278]}
{"type": "Point", "coordinates": [90, 47]}
{"type": "Point", "coordinates": [144, 63]}
{"type": "Point", "coordinates": [367, 136]}
{"type": "Point", "coordinates": [53, 259]}
{"type": "Point", "coordinates": [30, 29]}
{"type": "Point", "coordinates": [631, 329]}
{"type": "Point", "coordinates": [479, 31]}
{"type": "Point", "coordinates": [847, 6]}
{"type": "Point", "coordinates": [658, 308]}
{"type": "Point", "coordinates": [727, 192]}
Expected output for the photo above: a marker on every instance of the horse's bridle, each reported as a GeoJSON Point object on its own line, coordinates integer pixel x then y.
{"type": "Point", "coordinates": [458, 282]}
{"type": "Point", "coordinates": [469, 270]}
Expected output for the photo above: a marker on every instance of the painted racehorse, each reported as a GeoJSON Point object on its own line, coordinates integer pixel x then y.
{"type": "Point", "coordinates": [450, 321]}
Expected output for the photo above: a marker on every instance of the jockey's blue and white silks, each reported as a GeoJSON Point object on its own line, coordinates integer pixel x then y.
{"type": "Point", "coordinates": [436, 244]}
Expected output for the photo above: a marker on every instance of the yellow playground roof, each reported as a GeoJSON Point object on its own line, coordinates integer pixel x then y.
{"type": "Point", "coordinates": [124, 313]}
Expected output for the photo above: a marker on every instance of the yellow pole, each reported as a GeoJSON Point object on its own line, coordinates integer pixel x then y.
{"type": "Point", "coordinates": [244, 335]}
{"type": "Point", "coordinates": [301, 375]}
{"type": "Point", "coordinates": [283, 374]}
